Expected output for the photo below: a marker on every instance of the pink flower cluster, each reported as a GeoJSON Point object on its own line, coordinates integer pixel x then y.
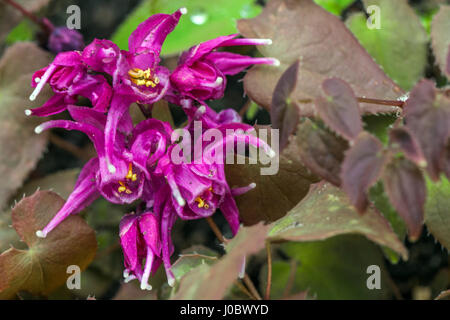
{"type": "Point", "coordinates": [133, 161]}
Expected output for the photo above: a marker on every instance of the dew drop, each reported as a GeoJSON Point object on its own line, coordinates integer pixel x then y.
{"type": "Point", "coordinates": [246, 11]}
{"type": "Point", "coordinates": [199, 17]}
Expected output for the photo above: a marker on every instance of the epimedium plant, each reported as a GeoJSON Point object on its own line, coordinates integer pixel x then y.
{"type": "Point", "coordinates": [325, 204]}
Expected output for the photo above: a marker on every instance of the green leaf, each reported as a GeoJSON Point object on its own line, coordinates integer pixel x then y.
{"type": "Point", "coordinates": [43, 266]}
{"type": "Point", "coordinates": [381, 202]}
{"type": "Point", "coordinates": [437, 213]}
{"type": "Point", "coordinates": [427, 18]}
{"type": "Point", "coordinates": [192, 258]}
{"type": "Point", "coordinates": [334, 6]}
{"type": "Point", "coordinates": [326, 212]}
{"type": "Point", "coordinates": [20, 147]}
{"type": "Point", "coordinates": [399, 46]}
{"type": "Point", "coordinates": [202, 22]}
{"type": "Point", "coordinates": [252, 111]}
{"type": "Point", "coordinates": [333, 269]}
{"type": "Point", "coordinates": [302, 30]}
{"type": "Point", "coordinates": [440, 37]}
{"type": "Point", "coordinates": [379, 125]}
{"type": "Point", "coordinates": [22, 32]}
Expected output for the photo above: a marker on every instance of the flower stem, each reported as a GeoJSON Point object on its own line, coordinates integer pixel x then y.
{"type": "Point", "coordinates": [248, 282]}
{"type": "Point", "coordinates": [145, 110]}
{"type": "Point", "coordinates": [396, 103]}
{"type": "Point", "coordinates": [29, 15]}
{"type": "Point", "coordinates": [251, 287]}
{"type": "Point", "coordinates": [244, 289]}
{"type": "Point", "coordinates": [69, 147]}
{"type": "Point", "coordinates": [382, 102]}
{"type": "Point", "coordinates": [291, 278]}
{"type": "Point", "coordinates": [269, 270]}
{"type": "Point", "coordinates": [216, 230]}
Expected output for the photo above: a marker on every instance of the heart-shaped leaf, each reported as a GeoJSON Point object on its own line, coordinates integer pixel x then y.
{"type": "Point", "coordinates": [437, 213]}
{"type": "Point", "coordinates": [283, 113]}
{"type": "Point", "coordinates": [20, 147]}
{"type": "Point", "coordinates": [301, 30]}
{"type": "Point", "coordinates": [427, 115]}
{"type": "Point", "coordinates": [403, 138]}
{"type": "Point", "coordinates": [399, 45]}
{"type": "Point", "coordinates": [405, 186]}
{"type": "Point", "coordinates": [321, 151]}
{"type": "Point", "coordinates": [338, 268]}
{"type": "Point", "coordinates": [339, 109]}
{"type": "Point", "coordinates": [43, 266]}
{"type": "Point", "coordinates": [326, 212]}
{"type": "Point", "coordinates": [440, 38]}
{"type": "Point", "coordinates": [361, 168]}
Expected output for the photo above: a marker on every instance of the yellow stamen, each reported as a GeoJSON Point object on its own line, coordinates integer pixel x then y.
{"type": "Point", "coordinates": [143, 77]}
{"type": "Point", "coordinates": [130, 175]}
{"type": "Point", "coordinates": [201, 203]}
{"type": "Point", "coordinates": [123, 188]}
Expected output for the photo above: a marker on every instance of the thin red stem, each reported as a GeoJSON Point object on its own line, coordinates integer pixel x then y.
{"type": "Point", "coordinates": [382, 102]}
{"type": "Point", "coordinates": [145, 110]}
{"type": "Point", "coordinates": [248, 282]}
{"type": "Point", "coordinates": [29, 15]}
{"type": "Point", "coordinates": [269, 271]}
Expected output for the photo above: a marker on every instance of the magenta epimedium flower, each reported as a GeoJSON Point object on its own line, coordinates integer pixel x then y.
{"type": "Point", "coordinates": [196, 189]}
{"type": "Point", "coordinates": [202, 70]}
{"type": "Point", "coordinates": [199, 186]}
{"type": "Point", "coordinates": [140, 240]}
{"type": "Point", "coordinates": [136, 149]}
{"type": "Point", "coordinates": [137, 75]}
{"type": "Point", "coordinates": [69, 78]}
{"type": "Point", "coordinates": [64, 39]}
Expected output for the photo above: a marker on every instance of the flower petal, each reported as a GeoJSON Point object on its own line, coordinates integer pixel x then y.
{"type": "Point", "coordinates": [129, 234]}
{"type": "Point", "coordinates": [84, 193]}
{"type": "Point", "coordinates": [152, 32]}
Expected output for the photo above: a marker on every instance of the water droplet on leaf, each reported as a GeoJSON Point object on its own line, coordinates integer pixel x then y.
{"type": "Point", "coordinates": [199, 17]}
